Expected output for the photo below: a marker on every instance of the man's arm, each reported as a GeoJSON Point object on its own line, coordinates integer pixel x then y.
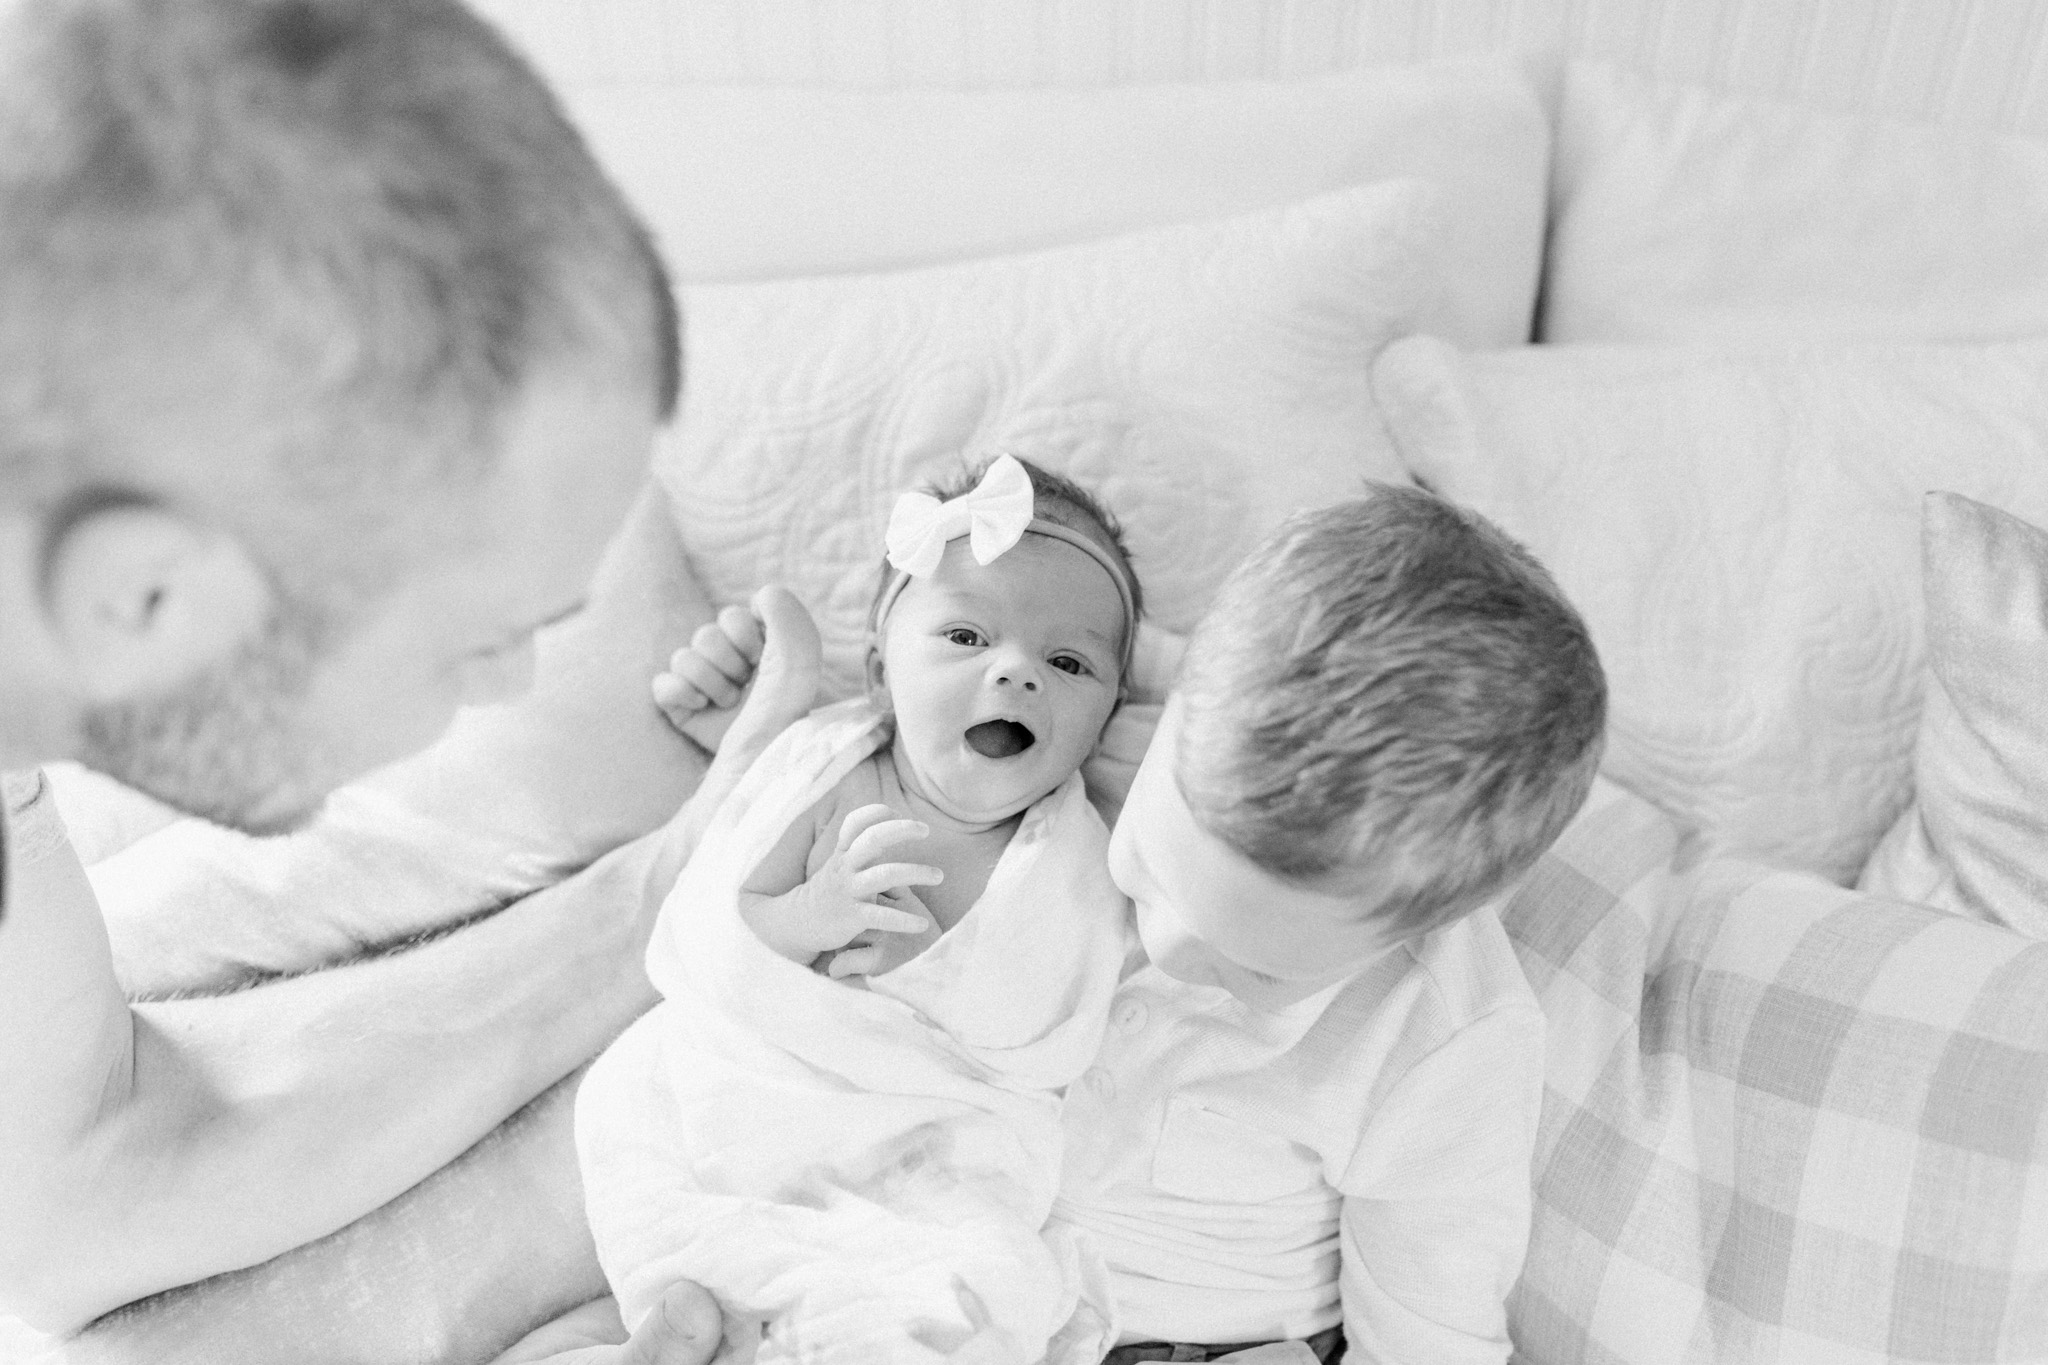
{"type": "Point", "coordinates": [454, 1271]}
{"type": "Point", "coordinates": [151, 1146]}
{"type": "Point", "coordinates": [411, 1056]}
{"type": "Point", "coordinates": [1436, 1209]}
{"type": "Point", "coordinates": [583, 761]}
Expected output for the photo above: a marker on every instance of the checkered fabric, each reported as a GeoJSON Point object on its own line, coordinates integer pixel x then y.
{"type": "Point", "coordinates": [1782, 1121]}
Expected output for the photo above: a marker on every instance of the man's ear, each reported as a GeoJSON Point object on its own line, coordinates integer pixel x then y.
{"type": "Point", "coordinates": [142, 597]}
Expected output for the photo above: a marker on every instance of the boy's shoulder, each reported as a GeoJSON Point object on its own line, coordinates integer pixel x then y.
{"type": "Point", "coordinates": [1441, 984]}
{"type": "Point", "coordinates": [1472, 967]}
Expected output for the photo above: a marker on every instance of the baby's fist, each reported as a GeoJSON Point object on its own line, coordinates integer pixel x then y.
{"type": "Point", "coordinates": [708, 677]}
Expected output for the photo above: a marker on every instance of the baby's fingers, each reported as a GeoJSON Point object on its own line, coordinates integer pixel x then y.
{"type": "Point", "coordinates": [744, 632]}
{"type": "Point", "coordinates": [866, 883]}
{"type": "Point", "coordinates": [713, 662]}
{"type": "Point", "coordinates": [871, 831]}
{"type": "Point", "coordinates": [889, 918]}
{"type": "Point", "coordinates": [854, 962]}
{"type": "Point", "coordinates": [719, 682]}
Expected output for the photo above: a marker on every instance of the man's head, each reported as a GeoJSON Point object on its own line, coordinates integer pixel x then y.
{"type": "Point", "coordinates": [1388, 713]}
{"type": "Point", "coordinates": [328, 362]}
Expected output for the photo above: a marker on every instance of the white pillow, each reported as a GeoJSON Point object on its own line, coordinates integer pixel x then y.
{"type": "Point", "coordinates": [1975, 840]}
{"type": "Point", "coordinates": [1686, 214]}
{"type": "Point", "coordinates": [1203, 380]}
{"type": "Point", "coordinates": [748, 183]}
{"type": "Point", "coordinates": [1742, 535]}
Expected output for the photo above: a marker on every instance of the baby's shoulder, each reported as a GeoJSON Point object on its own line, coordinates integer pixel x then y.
{"type": "Point", "coordinates": [864, 785]}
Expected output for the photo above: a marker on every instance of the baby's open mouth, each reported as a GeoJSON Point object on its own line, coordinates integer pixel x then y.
{"type": "Point", "coordinates": [1000, 738]}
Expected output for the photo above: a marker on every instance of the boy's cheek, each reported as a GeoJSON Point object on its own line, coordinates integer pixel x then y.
{"type": "Point", "coordinates": [1173, 950]}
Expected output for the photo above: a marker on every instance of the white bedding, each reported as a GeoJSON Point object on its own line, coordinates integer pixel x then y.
{"type": "Point", "coordinates": [874, 1168]}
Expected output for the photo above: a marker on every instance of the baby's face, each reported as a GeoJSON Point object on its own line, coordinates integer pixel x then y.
{"type": "Point", "coordinates": [1211, 917]}
{"type": "Point", "coordinates": [1001, 675]}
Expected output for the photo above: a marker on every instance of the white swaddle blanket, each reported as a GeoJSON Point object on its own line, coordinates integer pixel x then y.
{"type": "Point", "coordinates": [871, 1169]}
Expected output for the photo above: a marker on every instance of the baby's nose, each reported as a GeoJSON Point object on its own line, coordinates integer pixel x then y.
{"type": "Point", "coordinates": [1017, 672]}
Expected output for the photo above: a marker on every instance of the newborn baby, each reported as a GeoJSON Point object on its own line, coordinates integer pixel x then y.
{"type": "Point", "coordinates": [844, 1117]}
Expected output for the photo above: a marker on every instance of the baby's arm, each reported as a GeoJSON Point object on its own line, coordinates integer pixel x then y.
{"type": "Point", "coordinates": [802, 916]}
{"type": "Point", "coordinates": [1436, 1212]}
{"type": "Point", "coordinates": [856, 890]}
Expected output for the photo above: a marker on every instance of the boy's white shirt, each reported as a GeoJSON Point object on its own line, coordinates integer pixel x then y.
{"type": "Point", "coordinates": [1362, 1156]}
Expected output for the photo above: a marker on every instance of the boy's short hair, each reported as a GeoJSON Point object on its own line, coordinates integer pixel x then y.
{"type": "Point", "coordinates": [1058, 499]}
{"type": "Point", "coordinates": [378, 201]}
{"type": "Point", "coordinates": [1391, 698]}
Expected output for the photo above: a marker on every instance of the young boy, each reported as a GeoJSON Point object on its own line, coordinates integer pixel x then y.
{"type": "Point", "coordinates": [1313, 1115]}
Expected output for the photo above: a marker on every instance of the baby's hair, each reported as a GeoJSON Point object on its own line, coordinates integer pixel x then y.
{"type": "Point", "coordinates": [372, 207]}
{"type": "Point", "coordinates": [1054, 497]}
{"type": "Point", "coordinates": [1063, 502]}
{"type": "Point", "coordinates": [1391, 698]}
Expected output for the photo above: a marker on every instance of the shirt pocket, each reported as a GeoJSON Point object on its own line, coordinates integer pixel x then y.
{"type": "Point", "coordinates": [1220, 1160]}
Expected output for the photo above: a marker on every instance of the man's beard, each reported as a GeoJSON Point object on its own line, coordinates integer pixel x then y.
{"type": "Point", "coordinates": [232, 744]}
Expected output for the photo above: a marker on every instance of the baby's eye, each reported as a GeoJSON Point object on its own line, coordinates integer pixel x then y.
{"type": "Point", "coordinates": [964, 636]}
{"type": "Point", "coordinates": [1067, 663]}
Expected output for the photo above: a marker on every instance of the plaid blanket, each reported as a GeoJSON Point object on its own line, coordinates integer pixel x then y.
{"type": "Point", "coordinates": [1783, 1121]}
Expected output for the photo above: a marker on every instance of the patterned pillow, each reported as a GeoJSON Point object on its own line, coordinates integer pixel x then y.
{"type": "Point", "coordinates": [1202, 380]}
{"type": "Point", "coordinates": [1783, 1121]}
{"type": "Point", "coordinates": [1975, 839]}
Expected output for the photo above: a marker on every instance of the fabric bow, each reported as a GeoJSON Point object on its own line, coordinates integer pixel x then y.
{"type": "Point", "coordinates": [993, 515]}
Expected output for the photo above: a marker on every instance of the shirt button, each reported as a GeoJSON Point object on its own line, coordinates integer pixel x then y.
{"type": "Point", "coordinates": [1101, 1083]}
{"type": "Point", "coordinates": [1131, 1015]}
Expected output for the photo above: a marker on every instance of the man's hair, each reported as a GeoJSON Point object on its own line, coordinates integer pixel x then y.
{"type": "Point", "coordinates": [371, 213]}
{"type": "Point", "coordinates": [1059, 500]}
{"type": "Point", "coordinates": [1390, 698]}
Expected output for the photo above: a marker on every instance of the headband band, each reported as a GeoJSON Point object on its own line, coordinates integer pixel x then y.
{"type": "Point", "coordinates": [993, 515]}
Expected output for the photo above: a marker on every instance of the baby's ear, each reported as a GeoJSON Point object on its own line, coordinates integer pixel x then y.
{"type": "Point", "coordinates": [878, 686]}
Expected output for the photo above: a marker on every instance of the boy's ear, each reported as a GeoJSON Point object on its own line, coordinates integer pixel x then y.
{"type": "Point", "coordinates": [142, 597]}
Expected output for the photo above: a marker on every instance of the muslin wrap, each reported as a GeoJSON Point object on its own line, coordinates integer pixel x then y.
{"type": "Point", "coordinates": [870, 1170]}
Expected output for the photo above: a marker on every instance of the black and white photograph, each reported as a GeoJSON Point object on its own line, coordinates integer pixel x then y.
{"type": "Point", "coordinates": [1023, 682]}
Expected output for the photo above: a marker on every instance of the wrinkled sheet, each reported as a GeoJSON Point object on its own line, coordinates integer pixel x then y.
{"type": "Point", "coordinates": [871, 1170]}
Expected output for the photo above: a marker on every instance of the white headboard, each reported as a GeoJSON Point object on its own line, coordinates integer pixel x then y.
{"type": "Point", "coordinates": [1981, 63]}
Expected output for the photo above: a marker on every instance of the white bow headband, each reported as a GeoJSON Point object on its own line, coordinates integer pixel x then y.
{"type": "Point", "coordinates": [994, 515]}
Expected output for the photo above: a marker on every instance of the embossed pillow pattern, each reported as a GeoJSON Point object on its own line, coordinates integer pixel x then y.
{"type": "Point", "coordinates": [1203, 380]}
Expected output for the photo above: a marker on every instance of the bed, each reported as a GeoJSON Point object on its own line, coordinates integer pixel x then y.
{"type": "Point", "coordinates": [1735, 311]}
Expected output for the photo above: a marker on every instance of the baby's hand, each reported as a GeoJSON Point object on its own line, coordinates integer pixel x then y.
{"type": "Point", "coordinates": [876, 952]}
{"type": "Point", "coordinates": [707, 678]}
{"type": "Point", "coordinates": [849, 895]}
